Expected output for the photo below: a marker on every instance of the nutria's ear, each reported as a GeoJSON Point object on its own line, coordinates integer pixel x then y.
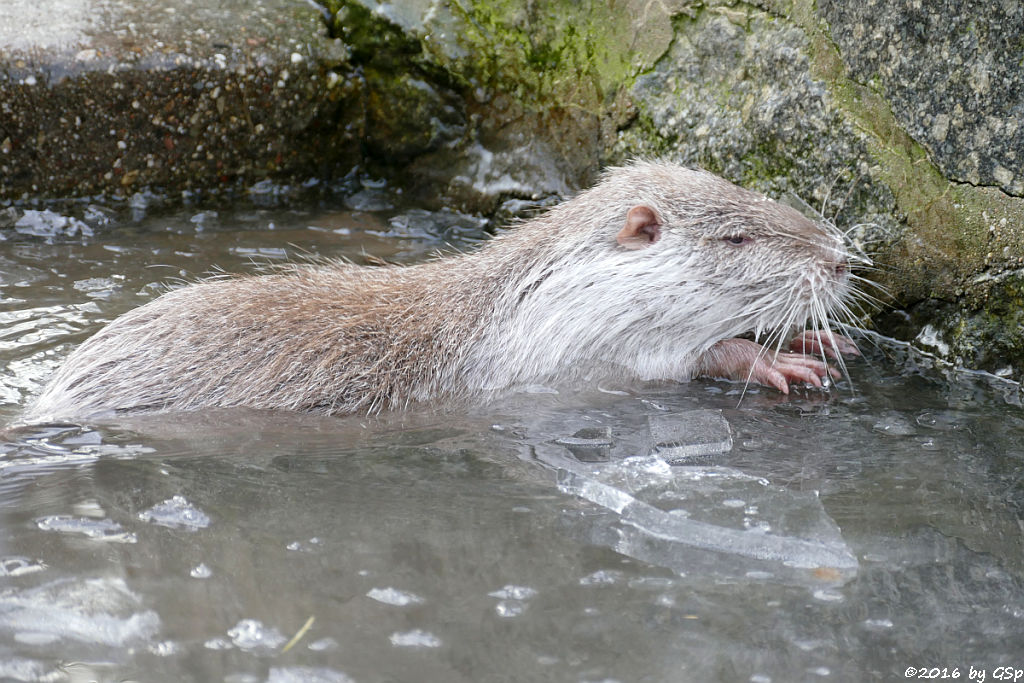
{"type": "Point", "coordinates": [642, 228]}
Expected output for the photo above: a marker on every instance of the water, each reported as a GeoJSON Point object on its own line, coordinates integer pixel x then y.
{"type": "Point", "coordinates": [845, 536]}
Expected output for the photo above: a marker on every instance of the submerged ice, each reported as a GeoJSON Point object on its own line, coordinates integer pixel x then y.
{"type": "Point", "coordinates": [683, 516]}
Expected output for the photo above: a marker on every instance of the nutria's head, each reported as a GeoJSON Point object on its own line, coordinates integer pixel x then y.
{"type": "Point", "coordinates": [741, 261]}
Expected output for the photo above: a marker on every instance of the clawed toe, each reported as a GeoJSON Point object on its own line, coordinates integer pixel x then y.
{"type": "Point", "coordinates": [824, 342]}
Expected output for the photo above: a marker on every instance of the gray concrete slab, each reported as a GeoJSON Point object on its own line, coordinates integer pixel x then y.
{"type": "Point", "coordinates": [109, 96]}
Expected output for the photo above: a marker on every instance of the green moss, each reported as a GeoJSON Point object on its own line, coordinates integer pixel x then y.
{"type": "Point", "coordinates": [560, 51]}
{"type": "Point", "coordinates": [989, 336]}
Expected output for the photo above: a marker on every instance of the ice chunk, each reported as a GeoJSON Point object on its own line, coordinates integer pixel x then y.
{"type": "Point", "coordinates": [369, 199]}
{"type": "Point", "coordinates": [590, 444]}
{"type": "Point", "coordinates": [393, 596]}
{"type": "Point", "coordinates": [444, 224]}
{"type": "Point", "coordinates": [98, 529]}
{"type": "Point", "coordinates": [176, 512]}
{"type": "Point", "coordinates": [513, 592]}
{"type": "Point", "coordinates": [685, 437]}
{"type": "Point", "coordinates": [512, 600]}
{"type": "Point", "coordinates": [415, 638]}
{"type": "Point", "coordinates": [251, 634]}
{"type": "Point", "coordinates": [324, 645]}
{"type": "Point", "coordinates": [894, 424]}
{"type": "Point", "coordinates": [665, 513]}
{"type": "Point", "coordinates": [19, 566]}
{"type": "Point", "coordinates": [201, 571]}
{"type": "Point", "coordinates": [46, 223]}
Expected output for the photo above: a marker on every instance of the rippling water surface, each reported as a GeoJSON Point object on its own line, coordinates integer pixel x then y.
{"type": "Point", "coordinates": [852, 536]}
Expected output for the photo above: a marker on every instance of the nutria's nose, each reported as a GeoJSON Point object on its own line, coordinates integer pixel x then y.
{"type": "Point", "coordinates": [841, 267]}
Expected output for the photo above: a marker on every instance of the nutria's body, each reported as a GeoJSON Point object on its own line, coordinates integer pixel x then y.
{"type": "Point", "coordinates": [650, 274]}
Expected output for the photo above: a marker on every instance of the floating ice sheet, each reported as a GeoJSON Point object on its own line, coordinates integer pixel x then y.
{"type": "Point", "coordinates": [176, 512]}
{"type": "Point", "coordinates": [685, 517]}
{"type": "Point", "coordinates": [46, 223]}
{"type": "Point", "coordinates": [98, 529]}
{"type": "Point", "coordinates": [393, 596]}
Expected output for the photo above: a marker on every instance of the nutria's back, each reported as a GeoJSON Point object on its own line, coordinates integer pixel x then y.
{"type": "Point", "coordinates": [636, 277]}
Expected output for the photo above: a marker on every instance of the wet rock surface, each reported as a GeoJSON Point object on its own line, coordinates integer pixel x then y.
{"type": "Point", "coordinates": [735, 94]}
{"type": "Point", "coordinates": [472, 105]}
{"type": "Point", "coordinates": [769, 98]}
{"type": "Point", "coordinates": [110, 97]}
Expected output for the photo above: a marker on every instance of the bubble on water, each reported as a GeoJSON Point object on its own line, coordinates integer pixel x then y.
{"type": "Point", "coordinates": [415, 638]}
{"type": "Point", "coordinates": [944, 421]}
{"type": "Point", "coordinates": [393, 596]}
{"type": "Point", "coordinates": [177, 513]}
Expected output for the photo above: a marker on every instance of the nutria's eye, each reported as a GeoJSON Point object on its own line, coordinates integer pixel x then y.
{"type": "Point", "coordinates": [738, 239]}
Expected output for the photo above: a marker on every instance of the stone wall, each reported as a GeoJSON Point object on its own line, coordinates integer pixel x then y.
{"type": "Point", "coordinates": [110, 97]}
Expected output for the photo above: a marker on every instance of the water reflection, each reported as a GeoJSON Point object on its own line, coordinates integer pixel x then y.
{"type": "Point", "coordinates": [249, 546]}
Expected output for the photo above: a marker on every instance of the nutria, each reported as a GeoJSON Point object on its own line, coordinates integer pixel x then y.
{"type": "Point", "coordinates": [651, 274]}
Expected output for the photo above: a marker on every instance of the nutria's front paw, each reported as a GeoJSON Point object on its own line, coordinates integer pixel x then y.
{"type": "Point", "coordinates": [786, 368]}
{"type": "Point", "coordinates": [744, 360]}
{"type": "Point", "coordinates": [818, 342]}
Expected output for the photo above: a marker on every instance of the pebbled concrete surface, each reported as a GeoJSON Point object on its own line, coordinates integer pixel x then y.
{"type": "Point", "coordinates": [110, 96]}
